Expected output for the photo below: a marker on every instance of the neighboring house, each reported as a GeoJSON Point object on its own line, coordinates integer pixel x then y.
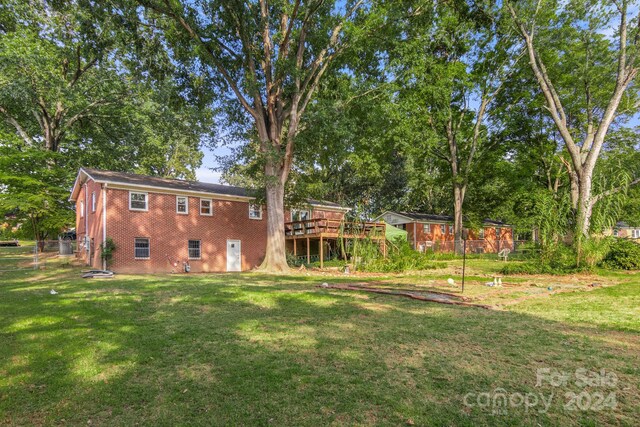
{"type": "Point", "coordinates": [427, 231]}
{"type": "Point", "coordinates": [625, 231]}
{"type": "Point", "coordinates": [160, 224]}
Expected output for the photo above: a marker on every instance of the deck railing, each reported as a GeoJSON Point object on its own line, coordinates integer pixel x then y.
{"type": "Point", "coordinates": [333, 227]}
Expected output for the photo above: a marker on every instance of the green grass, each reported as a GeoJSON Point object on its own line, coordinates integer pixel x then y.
{"type": "Point", "coordinates": [255, 349]}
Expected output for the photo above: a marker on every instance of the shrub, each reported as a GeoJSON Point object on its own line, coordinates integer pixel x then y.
{"type": "Point", "coordinates": [401, 257]}
{"type": "Point", "coordinates": [623, 255]}
{"type": "Point", "coordinates": [106, 250]}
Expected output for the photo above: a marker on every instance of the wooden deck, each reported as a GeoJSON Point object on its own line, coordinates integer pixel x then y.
{"type": "Point", "coordinates": [330, 228]}
{"type": "Point", "coordinates": [324, 229]}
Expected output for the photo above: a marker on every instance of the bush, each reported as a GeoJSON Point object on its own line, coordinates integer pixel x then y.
{"type": "Point", "coordinates": [623, 255]}
{"type": "Point", "coordinates": [401, 257]}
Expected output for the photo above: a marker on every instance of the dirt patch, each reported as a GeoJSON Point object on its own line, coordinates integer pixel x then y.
{"type": "Point", "coordinates": [430, 296]}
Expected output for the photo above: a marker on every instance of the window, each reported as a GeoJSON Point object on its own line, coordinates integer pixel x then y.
{"type": "Point", "coordinates": [441, 228]}
{"type": "Point", "coordinates": [141, 248]}
{"type": "Point", "coordinates": [300, 215]}
{"type": "Point", "coordinates": [182, 205]}
{"type": "Point", "coordinates": [498, 232]}
{"type": "Point", "coordinates": [616, 232]}
{"type": "Point", "coordinates": [138, 201]}
{"type": "Point", "coordinates": [255, 211]}
{"type": "Point", "coordinates": [81, 209]}
{"type": "Point", "coordinates": [194, 249]}
{"type": "Point", "coordinates": [426, 228]}
{"type": "Point", "coordinates": [636, 233]}
{"type": "Point", "coordinates": [206, 207]}
{"type": "Point", "coordinates": [93, 202]}
{"type": "Point", "coordinates": [481, 234]}
{"type": "Point", "coordinates": [450, 229]}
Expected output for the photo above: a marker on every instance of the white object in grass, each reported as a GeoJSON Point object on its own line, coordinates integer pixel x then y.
{"type": "Point", "coordinates": [451, 281]}
{"type": "Point", "coordinates": [53, 292]}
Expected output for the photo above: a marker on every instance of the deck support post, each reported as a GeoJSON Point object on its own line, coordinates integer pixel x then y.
{"type": "Point", "coordinates": [321, 252]}
{"type": "Point", "coordinates": [308, 252]}
{"type": "Point", "coordinates": [295, 247]}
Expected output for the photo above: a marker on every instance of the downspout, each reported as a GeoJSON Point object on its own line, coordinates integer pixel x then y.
{"type": "Point", "coordinates": [104, 222]}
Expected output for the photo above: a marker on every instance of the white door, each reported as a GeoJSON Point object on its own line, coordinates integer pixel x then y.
{"type": "Point", "coordinates": [234, 262]}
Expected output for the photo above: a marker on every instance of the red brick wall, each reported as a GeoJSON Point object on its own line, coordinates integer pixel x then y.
{"type": "Point", "coordinates": [169, 232]}
{"type": "Point", "coordinates": [445, 241]}
{"type": "Point", "coordinates": [91, 224]}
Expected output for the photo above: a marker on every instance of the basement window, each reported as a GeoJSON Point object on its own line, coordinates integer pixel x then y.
{"type": "Point", "coordinates": [141, 246]}
{"type": "Point", "coordinates": [194, 249]}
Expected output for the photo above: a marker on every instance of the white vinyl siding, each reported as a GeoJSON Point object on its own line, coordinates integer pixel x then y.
{"type": "Point", "coordinates": [142, 248]}
{"type": "Point", "coordinates": [138, 201]}
{"type": "Point", "coordinates": [206, 207]}
{"type": "Point", "coordinates": [182, 205]}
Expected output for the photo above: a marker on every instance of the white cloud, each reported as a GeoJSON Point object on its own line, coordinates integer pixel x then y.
{"type": "Point", "coordinates": [207, 175]}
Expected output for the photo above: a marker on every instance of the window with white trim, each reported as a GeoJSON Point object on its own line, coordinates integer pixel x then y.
{"type": "Point", "coordinates": [300, 215]}
{"type": "Point", "coordinates": [194, 249]}
{"type": "Point", "coordinates": [141, 248]}
{"type": "Point", "coordinates": [450, 229]}
{"type": "Point", "coordinates": [481, 234]}
{"type": "Point", "coordinates": [636, 233]}
{"type": "Point", "coordinates": [93, 202]}
{"type": "Point", "coordinates": [255, 211]}
{"type": "Point", "coordinates": [138, 201]}
{"type": "Point", "coordinates": [206, 207]}
{"type": "Point", "coordinates": [441, 228]}
{"type": "Point", "coordinates": [81, 209]}
{"type": "Point", "coordinates": [182, 205]}
{"type": "Point", "coordinates": [616, 232]}
{"type": "Point", "coordinates": [426, 228]}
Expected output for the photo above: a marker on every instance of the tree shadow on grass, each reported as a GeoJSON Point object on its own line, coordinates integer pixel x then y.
{"type": "Point", "coordinates": [259, 349]}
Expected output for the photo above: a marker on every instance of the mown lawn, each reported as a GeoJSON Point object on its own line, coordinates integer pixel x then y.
{"type": "Point", "coordinates": [254, 349]}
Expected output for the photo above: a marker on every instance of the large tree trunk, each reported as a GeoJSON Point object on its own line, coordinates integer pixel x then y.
{"type": "Point", "coordinates": [275, 260]}
{"type": "Point", "coordinates": [458, 200]}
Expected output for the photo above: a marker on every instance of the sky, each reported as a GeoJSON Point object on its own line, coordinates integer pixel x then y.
{"type": "Point", "coordinates": [204, 173]}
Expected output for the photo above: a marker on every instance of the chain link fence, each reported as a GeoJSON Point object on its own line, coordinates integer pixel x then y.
{"type": "Point", "coordinates": [16, 256]}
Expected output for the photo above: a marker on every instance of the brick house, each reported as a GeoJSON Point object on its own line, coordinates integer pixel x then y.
{"type": "Point", "coordinates": [159, 224]}
{"type": "Point", "coordinates": [428, 231]}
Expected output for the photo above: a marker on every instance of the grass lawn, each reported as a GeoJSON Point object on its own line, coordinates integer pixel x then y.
{"type": "Point", "coordinates": [255, 349]}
